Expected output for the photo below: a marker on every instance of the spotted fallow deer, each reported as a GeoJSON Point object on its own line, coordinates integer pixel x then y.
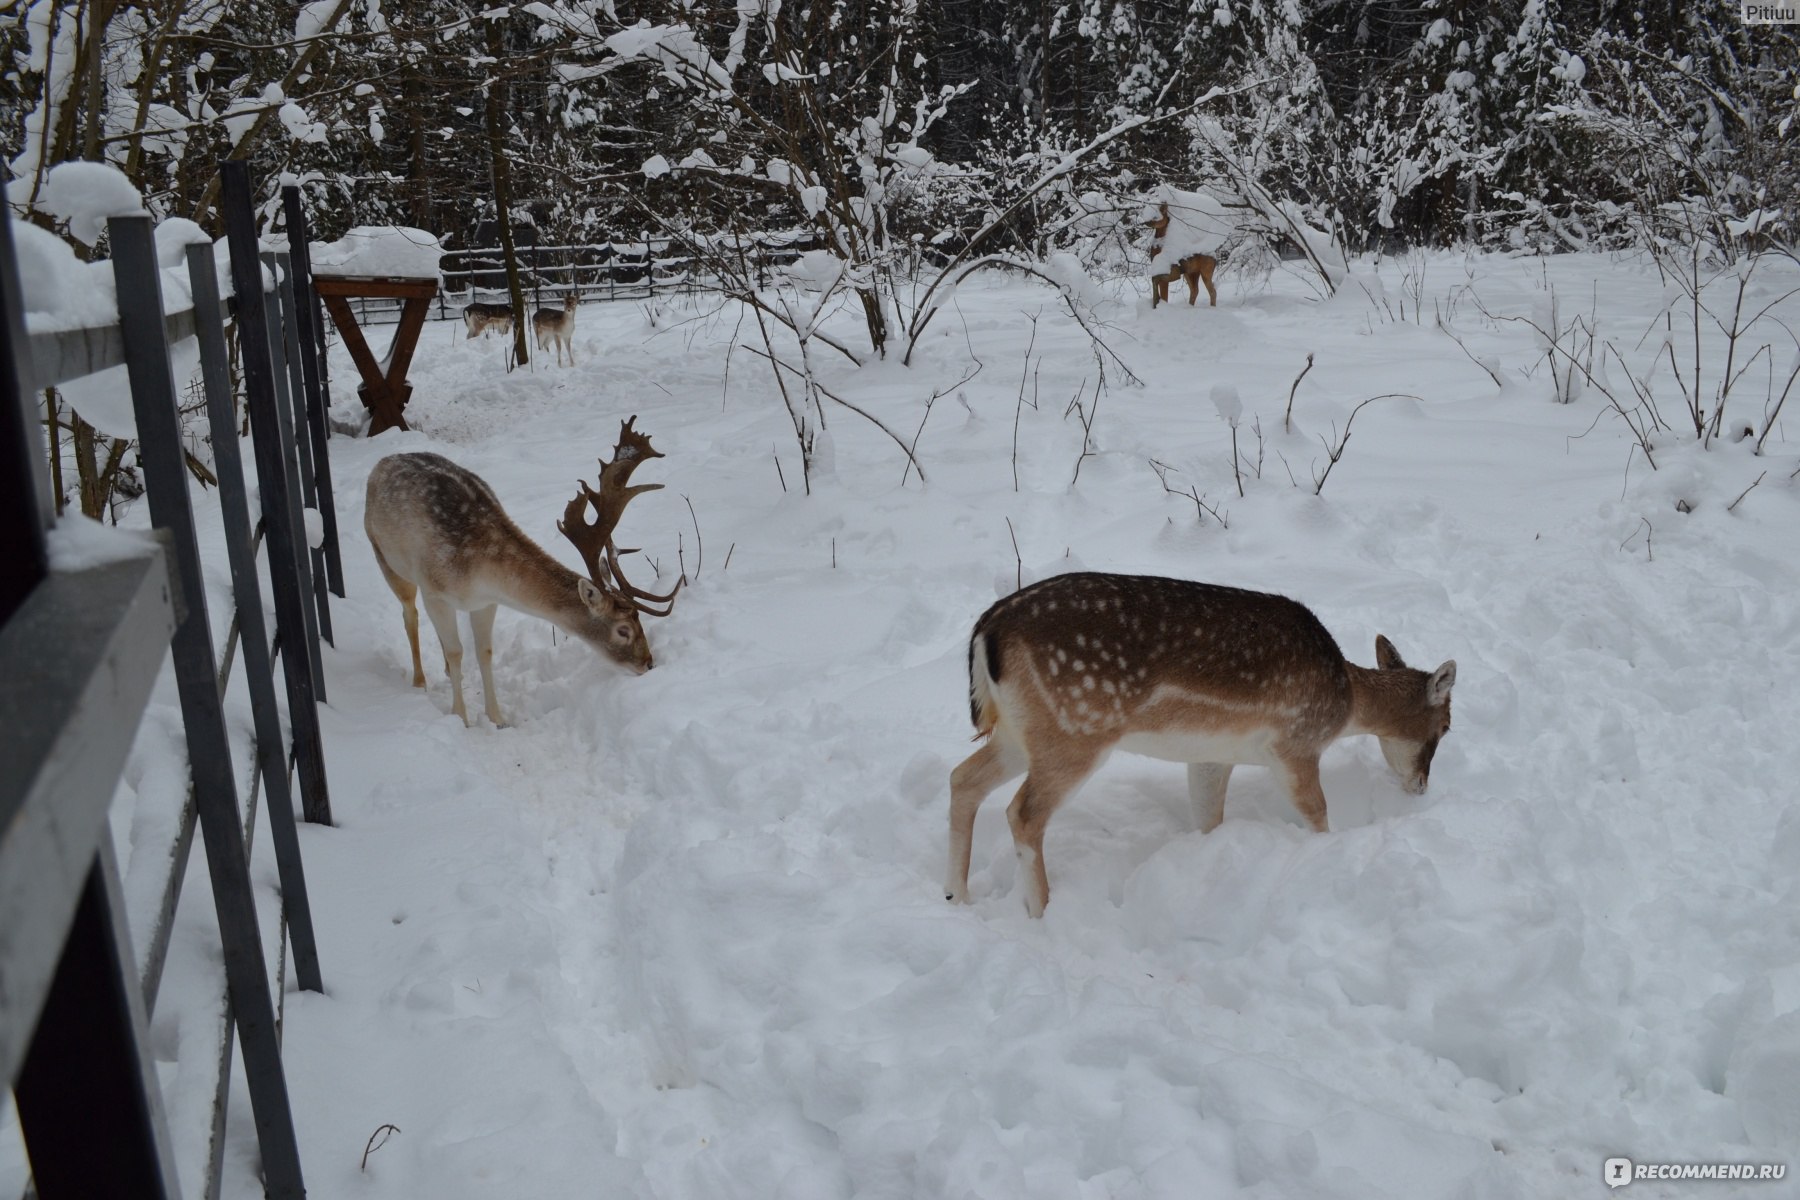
{"type": "Point", "coordinates": [1195, 268]}
{"type": "Point", "coordinates": [557, 325]}
{"type": "Point", "coordinates": [479, 318]}
{"type": "Point", "coordinates": [1067, 670]}
{"type": "Point", "coordinates": [440, 536]}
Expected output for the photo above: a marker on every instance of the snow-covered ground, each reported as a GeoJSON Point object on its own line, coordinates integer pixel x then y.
{"type": "Point", "coordinates": [684, 935]}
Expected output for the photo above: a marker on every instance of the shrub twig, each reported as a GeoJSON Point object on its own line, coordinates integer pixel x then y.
{"type": "Point", "coordinates": [377, 1140]}
{"type": "Point", "coordinates": [1333, 453]}
{"type": "Point", "coordinates": [1287, 421]}
{"type": "Point", "coordinates": [1745, 492]}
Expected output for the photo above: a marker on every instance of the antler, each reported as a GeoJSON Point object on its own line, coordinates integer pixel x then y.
{"type": "Point", "coordinates": [594, 539]}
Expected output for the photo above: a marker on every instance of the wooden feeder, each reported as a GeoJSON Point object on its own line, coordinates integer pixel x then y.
{"type": "Point", "coordinates": [384, 389]}
{"type": "Point", "coordinates": [379, 262]}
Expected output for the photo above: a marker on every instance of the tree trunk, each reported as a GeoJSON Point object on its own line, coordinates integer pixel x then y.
{"type": "Point", "coordinates": [875, 318]}
{"type": "Point", "coordinates": [100, 16]}
{"type": "Point", "coordinates": [494, 116]}
{"type": "Point", "coordinates": [87, 469]}
{"type": "Point", "coordinates": [418, 162]}
{"type": "Point", "coordinates": [53, 426]}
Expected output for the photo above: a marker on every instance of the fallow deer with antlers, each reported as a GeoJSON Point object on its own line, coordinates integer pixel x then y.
{"type": "Point", "coordinates": [441, 537]}
{"type": "Point", "coordinates": [1065, 671]}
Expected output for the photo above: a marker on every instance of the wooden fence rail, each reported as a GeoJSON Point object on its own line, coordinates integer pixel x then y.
{"type": "Point", "coordinates": [596, 271]}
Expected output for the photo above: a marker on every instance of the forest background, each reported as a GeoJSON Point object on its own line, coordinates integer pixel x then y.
{"type": "Point", "coordinates": [917, 138]}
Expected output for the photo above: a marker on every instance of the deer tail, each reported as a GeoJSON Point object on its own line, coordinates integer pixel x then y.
{"type": "Point", "coordinates": [984, 668]}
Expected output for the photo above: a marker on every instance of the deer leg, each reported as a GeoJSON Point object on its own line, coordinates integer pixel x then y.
{"type": "Point", "coordinates": [481, 623]}
{"type": "Point", "coordinates": [1301, 774]}
{"type": "Point", "coordinates": [407, 594]}
{"type": "Point", "coordinates": [1207, 267]}
{"type": "Point", "coordinates": [1192, 275]}
{"type": "Point", "coordinates": [411, 615]}
{"type": "Point", "coordinates": [1206, 788]}
{"type": "Point", "coordinates": [570, 342]}
{"type": "Point", "coordinates": [970, 783]}
{"type": "Point", "coordinates": [443, 619]}
{"type": "Point", "coordinates": [1039, 797]}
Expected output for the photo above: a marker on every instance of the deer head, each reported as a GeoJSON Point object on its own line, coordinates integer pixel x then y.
{"type": "Point", "coordinates": [1159, 225]}
{"type": "Point", "coordinates": [594, 539]}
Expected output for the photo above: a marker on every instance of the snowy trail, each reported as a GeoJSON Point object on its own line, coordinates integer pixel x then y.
{"type": "Point", "coordinates": [683, 935]}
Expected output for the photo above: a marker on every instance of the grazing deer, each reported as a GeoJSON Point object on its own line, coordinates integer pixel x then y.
{"type": "Point", "coordinates": [439, 534]}
{"type": "Point", "coordinates": [558, 325]}
{"type": "Point", "coordinates": [1067, 670]}
{"type": "Point", "coordinates": [478, 318]}
{"type": "Point", "coordinates": [1195, 268]}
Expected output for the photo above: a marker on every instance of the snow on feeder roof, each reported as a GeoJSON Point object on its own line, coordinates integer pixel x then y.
{"type": "Point", "coordinates": [379, 252]}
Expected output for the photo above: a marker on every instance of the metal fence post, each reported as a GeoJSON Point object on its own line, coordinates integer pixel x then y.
{"type": "Point", "coordinates": [286, 330]}
{"type": "Point", "coordinates": [271, 745]}
{"type": "Point", "coordinates": [313, 368]}
{"type": "Point", "coordinates": [272, 466]}
{"type": "Point", "coordinates": [298, 456]}
{"type": "Point", "coordinates": [74, 1053]}
{"type": "Point", "coordinates": [154, 399]}
{"type": "Point", "coordinates": [87, 1080]}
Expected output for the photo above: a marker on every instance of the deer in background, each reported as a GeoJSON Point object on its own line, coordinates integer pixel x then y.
{"type": "Point", "coordinates": [1195, 268]}
{"type": "Point", "coordinates": [478, 318]}
{"type": "Point", "coordinates": [441, 537]}
{"type": "Point", "coordinates": [558, 325]}
{"type": "Point", "coordinates": [1067, 670]}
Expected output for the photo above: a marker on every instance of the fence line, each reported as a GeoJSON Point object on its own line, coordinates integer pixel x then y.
{"type": "Point", "coordinates": [53, 1088]}
{"type": "Point", "coordinates": [595, 271]}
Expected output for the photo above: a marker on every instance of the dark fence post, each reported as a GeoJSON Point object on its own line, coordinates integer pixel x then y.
{"type": "Point", "coordinates": [139, 282]}
{"type": "Point", "coordinates": [24, 470]}
{"type": "Point", "coordinates": [287, 329]}
{"type": "Point", "coordinates": [271, 746]}
{"type": "Point", "coordinates": [299, 456]}
{"type": "Point", "coordinates": [87, 1081]}
{"type": "Point", "coordinates": [73, 1051]}
{"type": "Point", "coordinates": [285, 556]}
{"type": "Point", "coordinates": [313, 370]}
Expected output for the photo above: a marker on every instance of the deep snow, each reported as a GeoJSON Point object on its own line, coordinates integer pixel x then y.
{"type": "Point", "coordinates": [684, 935]}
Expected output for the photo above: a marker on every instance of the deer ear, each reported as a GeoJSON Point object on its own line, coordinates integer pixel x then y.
{"type": "Point", "coordinates": [1386, 657]}
{"type": "Point", "coordinates": [1437, 688]}
{"type": "Point", "coordinates": [592, 596]}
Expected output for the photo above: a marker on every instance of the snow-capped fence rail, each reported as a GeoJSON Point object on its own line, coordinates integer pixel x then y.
{"type": "Point", "coordinates": [654, 265]}
{"type": "Point", "coordinates": [84, 687]}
